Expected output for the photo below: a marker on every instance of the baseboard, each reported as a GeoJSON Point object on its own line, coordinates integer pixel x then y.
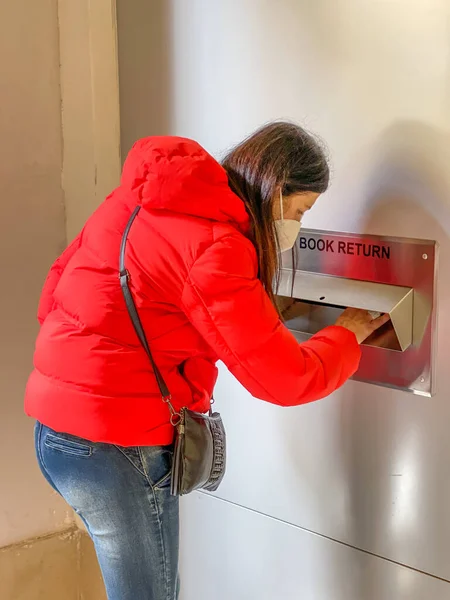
{"type": "Point", "coordinates": [59, 566]}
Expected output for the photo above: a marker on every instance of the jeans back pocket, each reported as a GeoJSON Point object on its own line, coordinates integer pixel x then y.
{"type": "Point", "coordinates": [67, 445]}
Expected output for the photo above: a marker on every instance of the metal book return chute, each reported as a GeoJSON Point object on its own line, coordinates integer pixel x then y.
{"type": "Point", "coordinates": [396, 276]}
{"type": "Point", "coordinates": [322, 298]}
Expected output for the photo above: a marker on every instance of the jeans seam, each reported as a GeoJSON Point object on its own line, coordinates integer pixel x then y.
{"type": "Point", "coordinates": [159, 483]}
{"type": "Point", "coordinates": [68, 443]}
{"type": "Point", "coordinates": [41, 456]}
{"type": "Point", "coordinates": [141, 472]}
{"type": "Point", "coordinates": [67, 450]}
{"type": "Point", "coordinates": [161, 537]}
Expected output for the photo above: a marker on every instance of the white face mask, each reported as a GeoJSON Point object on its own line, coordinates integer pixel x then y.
{"type": "Point", "coordinates": [286, 230]}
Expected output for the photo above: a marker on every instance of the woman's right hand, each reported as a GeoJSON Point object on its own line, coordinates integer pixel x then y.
{"type": "Point", "coordinates": [360, 322]}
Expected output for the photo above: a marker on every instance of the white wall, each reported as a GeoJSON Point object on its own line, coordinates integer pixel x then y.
{"type": "Point", "coordinates": [33, 233]}
{"type": "Point", "coordinates": [367, 466]}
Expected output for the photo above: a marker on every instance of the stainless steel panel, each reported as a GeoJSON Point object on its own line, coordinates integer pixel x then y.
{"type": "Point", "coordinates": [231, 553]}
{"type": "Point", "coordinates": [379, 274]}
{"type": "Point", "coordinates": [366, 466]}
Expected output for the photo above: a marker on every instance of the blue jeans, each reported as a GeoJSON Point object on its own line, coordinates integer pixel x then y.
{"type": "Point", "coordinates": [123, 497]}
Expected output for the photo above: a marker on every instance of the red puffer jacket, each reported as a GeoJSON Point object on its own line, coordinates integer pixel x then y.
{"type": "Point", "coordinates": [194, 279]}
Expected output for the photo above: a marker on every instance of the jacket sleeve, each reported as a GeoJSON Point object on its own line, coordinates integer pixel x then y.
{"type": "Point", "coordinates": [46, 301]}
{"type": "Point", "coordinates": [227, 304]}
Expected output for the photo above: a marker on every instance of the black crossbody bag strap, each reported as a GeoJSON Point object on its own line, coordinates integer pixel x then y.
{"type": "Point", "coordinates": [124, 277]}
{"type": "Point", "coordinates": [199, 456]}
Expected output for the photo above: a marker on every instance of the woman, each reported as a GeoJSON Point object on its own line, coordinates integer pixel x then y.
{"type": "Point", "coordinates": [202, 254]}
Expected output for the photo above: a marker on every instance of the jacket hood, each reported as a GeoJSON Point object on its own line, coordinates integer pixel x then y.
{"type": "Point", "coordinates": [178, 175]}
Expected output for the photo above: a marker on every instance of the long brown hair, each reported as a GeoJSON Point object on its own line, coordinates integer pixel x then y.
{"type": "Point", "coordinates": [280, 155]}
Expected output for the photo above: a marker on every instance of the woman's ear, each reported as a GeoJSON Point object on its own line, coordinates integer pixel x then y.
{"type": "Point", "coordinates": [278, 204]}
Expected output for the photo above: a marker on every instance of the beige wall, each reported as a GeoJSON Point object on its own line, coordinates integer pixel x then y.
{"type": "Point", "coordinates": [61, 566]}
{"type": "Point", "coordinates": [55, 167]}
{"type": "Point", "coordinates": [90, 106]}
{"type": "Point", "coordinates": [146, 101]}
{"type": "Point", "coordinates": [59, 157]}
{"type": "Point", "coordinates": [32, 235]}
